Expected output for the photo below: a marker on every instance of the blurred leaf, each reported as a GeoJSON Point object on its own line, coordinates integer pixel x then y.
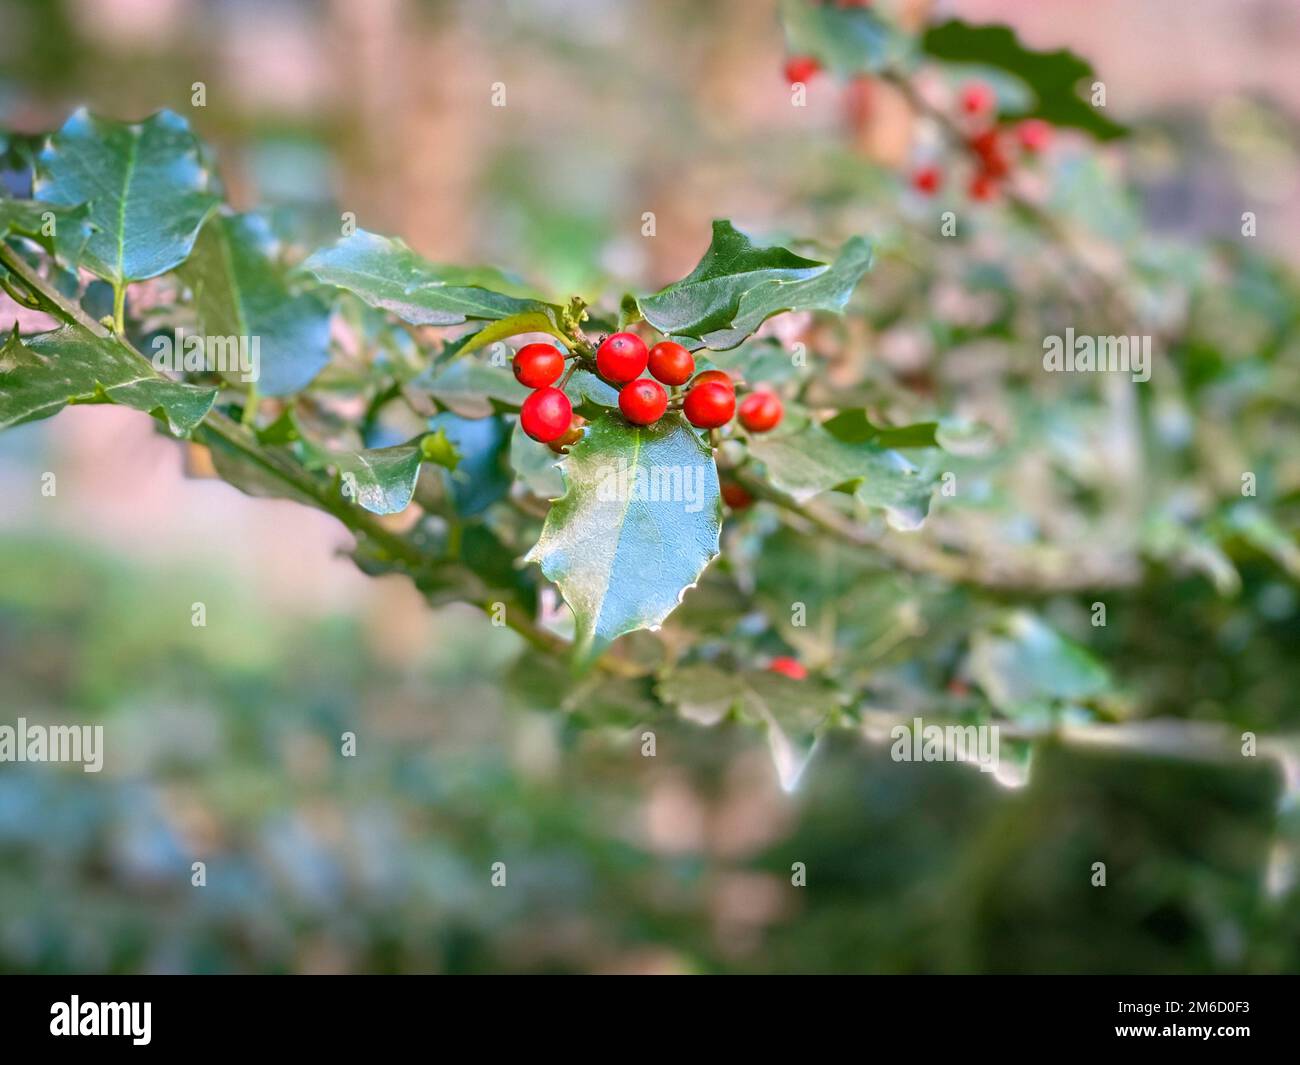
{"type": "Point", "coordinates": [809, 460]}
{"type": "Point", "coordinates": [536, 465]}
{"type": "Point", "coordinates": [480, 477]}
{"type": "Point", "coordinates": [70, 226]}
{"type": "Point", "coordinates": [472, 388]}
{"type": "Point", "coordinates": [846, 40]}
{"type": "Point", "coordinates": [1053, 77]}
{"type": "Point", "coordinates": [1024, 664]}
{"type": "Point", "coordinates": [853, 427]}
{"type": "Point", "coordinates": [240, 292]}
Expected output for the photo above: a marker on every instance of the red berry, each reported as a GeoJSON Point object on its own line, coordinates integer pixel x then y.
{"type": "Point", "coordinates": [538, 365]}
{"type": "Point", "coordinates": [1034, 134]}
{"type": "Point", "coordinates": [927, 180]}
{"type": "Point", "coordinates": [621, 357]}
{"type": "Point", "coordinates": [977, 98]}
{"type": "Point", "coordinates": [800, 68]}
{"type": "Point", "coordinates": [720, 377]}
{"type": "Point", "coordinates": [643, 402]}
{"type": "Point", "coordinates": [735, 496]}
{"type": "Point", "coordinates": [760, 411]}
{"type": "Point", "coordinates": [988, 146]}
{"type": "Point", "coordinates": [671, 363]}
{"type": "Point", "coordinates": [983, 187]}
{"type": "Point", "coordinates": [709, 405]}
{"type": "Point", "coordinates": [560, 445]}
{"type": "Point", "coordinates": [789, 667]}
{"type": "Point", "coordinates": [546, 415]}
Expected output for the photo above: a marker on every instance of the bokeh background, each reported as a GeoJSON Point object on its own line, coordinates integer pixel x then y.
{"type": "Point", "coordinates": [225, 738]}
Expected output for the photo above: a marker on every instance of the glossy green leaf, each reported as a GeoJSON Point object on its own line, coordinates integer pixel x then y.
{"type": "Point", "coordinates": [528, 322]}
{"type": "Point", "coordinates": [41, 375]}
{"type": "Point", "coordinates": [240, 291]}
{"type": "Point", "coordinates": [148, 187]}
{"type": "Point", "coordinates": [387, 274]}
{"type": "Point", "coordinates": [637, 524]}
{"type": "Point", "coordinates": [739, 285]}
{"type": "Point", "coordinates": [1054, 78]}
{"type": "Point", "coordinates": [380, 480]}
{"type": "Point", "coordinates": [808, 460]}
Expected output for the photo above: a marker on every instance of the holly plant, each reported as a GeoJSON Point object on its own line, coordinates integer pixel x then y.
{"type": "Point", "coordinates": [741, 525]}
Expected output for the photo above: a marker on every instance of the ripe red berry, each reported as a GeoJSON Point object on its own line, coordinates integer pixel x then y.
{"type": "Point", "coordinates": [560, 445]}
{"type": "Point", "coordinates": [546, 415]}
{"type": "Point", "coordinates": [735, 496]}
{"type": "Point", "coordinates": [991, 151]}
{"type": "Point", "coordinates": [983, 186]}
{"type": "Point", "coordinates": [1034, 134]}
{"type": "Point", "coordinates": [977, 98]}
{"type": "Point", "coordinates": [709, 405]}
{"type": "Point", "coordinates": [643, 402]}
{"type": "Point", "coordinates": [621, 357]}
{"type": "Point", "coordinates": [800, 68]}
{"type": "Point", "coordinates": [789, 667]}
{"type": "Point", "coordinates": [671, 363]}
{"type": "Point", "coordinates": [720, 377]}
{"type": "Point", "coordinates": [538, 365]}
{"type": "Point", "coordinates": [760, 411]}
{"type": "Point", "coordinates": [927, 180]}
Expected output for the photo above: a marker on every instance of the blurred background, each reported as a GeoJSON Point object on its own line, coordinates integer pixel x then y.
{"type": "Point", "coordinates": [226, 738]}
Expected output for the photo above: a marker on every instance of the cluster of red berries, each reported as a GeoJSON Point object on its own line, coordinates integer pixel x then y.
{"type": "Point", "coordinates": [621, 359]}
{"type": "Point", "coordinates": [989, 144]}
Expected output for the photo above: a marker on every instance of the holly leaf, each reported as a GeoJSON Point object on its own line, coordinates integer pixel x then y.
{"type": "Point", "coordinates": [1052, 77]}
{"type": "Point", "coordinates": [480, 477]}
{"type": "Point", "coordinates": [536, 465]}
{"type": "Point", "coordinates": [380, 480]}
{"type": "Point", "coordinates": [794, 712]}
{"type": "Point", "coordinates": [147, 185]}
{"type": "Point", "coordinates": [387, 274]}
{"type": "Point", "coordinates": [472, 388]}
{"type": "Point", "coordinates": [1023, 663]}
{"type": "Point", "coordinates": [43, 374]}
{"type": "Point", "coordinates": [528, 322]}
{"type": "Point", "coordinates": [239, 291]}
{"type": "Point", "coordinates": [854, 427]}
{"type": "Point", "coordinates": [808, 460]}
{"type": "Point", "coordinates": [638, 523]}
{"type": "Point", "coordinates": [61, 231]}
{"type": "Point", "coordinates": [845, 40]}
{"type": "Point", "coordinates": [739, 285]}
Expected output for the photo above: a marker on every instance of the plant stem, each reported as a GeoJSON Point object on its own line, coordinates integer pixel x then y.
{"type": "Point", "coordinates": [360, 522]}
{"type": "Point", "coordinates": [119, 308]}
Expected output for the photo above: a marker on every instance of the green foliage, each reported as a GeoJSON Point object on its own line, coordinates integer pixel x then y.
{"type": "Point", "coordinates": [146, 186]}
{"type": "Point", "coordinates": [390, 276]}
{"type": "Point", "coordinates": [240, 292]}
{"type": "Point", "coordinates": [737, 286]}
{"type": "Point", "coordinates": [1052, 77]}
{"type": "Point", "coordinates": [47, 371]}
{"type": "Point", "coordinates": [637, 524]}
